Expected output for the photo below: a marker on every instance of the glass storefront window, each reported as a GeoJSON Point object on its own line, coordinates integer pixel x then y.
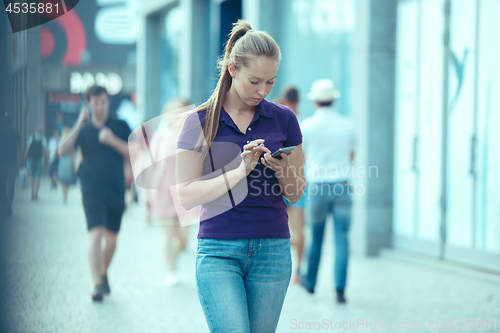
{"type": "Point", "coordinates": [169, 65]}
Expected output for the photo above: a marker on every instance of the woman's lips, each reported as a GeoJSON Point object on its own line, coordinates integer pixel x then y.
{"type": "Point", "coordinates": [256, 99]}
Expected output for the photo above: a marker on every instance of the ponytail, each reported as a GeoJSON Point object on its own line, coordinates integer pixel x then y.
{"type": "Point", "coordinates": [240, 46]}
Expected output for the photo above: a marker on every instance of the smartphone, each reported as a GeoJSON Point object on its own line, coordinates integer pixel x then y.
{"type": "Point", "coordinates": [286, 150]}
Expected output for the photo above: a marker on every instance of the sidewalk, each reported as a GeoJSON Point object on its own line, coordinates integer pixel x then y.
{"type": "Point", "coordinates": [49, 284]}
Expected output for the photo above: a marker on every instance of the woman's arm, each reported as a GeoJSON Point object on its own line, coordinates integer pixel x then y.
{"type": "Point", "coordinates": [189, 165]}
{"type": "Point", "coordinates": [290, 173]}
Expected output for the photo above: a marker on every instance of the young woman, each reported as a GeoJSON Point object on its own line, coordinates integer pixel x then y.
{"type": "Point", "coordinates": [243, 264]}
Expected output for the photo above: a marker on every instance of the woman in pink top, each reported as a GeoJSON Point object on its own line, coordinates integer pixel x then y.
{"type": "Point", "coordinates": [159, 198]}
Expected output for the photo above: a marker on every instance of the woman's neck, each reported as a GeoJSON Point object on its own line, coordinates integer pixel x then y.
{"type": "Point", "coordinates": [233, 103]}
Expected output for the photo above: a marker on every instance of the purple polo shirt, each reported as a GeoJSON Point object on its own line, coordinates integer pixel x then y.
{"type": "Point", "coordinates": [254, 208]}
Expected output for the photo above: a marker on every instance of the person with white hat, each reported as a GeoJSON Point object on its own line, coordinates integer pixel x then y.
{"type": "Point", "coordinates": [328, 141]}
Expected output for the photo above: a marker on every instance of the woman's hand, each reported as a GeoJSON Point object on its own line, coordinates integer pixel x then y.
{"type": "Point", "coordinates": [251, 154]}
{"type": "Point", "coordinates": [275, 164]}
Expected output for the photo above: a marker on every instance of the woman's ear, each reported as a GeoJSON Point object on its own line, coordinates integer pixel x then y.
{"type": "Point", "coordinates": [231, 69]}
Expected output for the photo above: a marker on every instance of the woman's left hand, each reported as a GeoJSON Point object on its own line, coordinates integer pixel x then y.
{"type": "Point", "coordinates": [275, 164]}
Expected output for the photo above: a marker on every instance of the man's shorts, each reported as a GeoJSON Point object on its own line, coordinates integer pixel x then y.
{"type": "Point", "coordinates": [35, 168]}
{"type": "Point", "coordinates": [103, 210]}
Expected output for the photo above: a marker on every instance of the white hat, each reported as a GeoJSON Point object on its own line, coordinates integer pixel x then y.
{"type": "Point", "coordinates": [323, 91]}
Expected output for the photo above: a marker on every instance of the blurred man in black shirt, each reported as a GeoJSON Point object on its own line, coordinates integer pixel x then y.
{"type": "Point", "coordinates": [103, 142]}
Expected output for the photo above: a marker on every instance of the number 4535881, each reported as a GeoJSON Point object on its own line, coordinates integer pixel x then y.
{"type": "Point", "coordinates": [471, 324]}
{"type": "Point", "coordinates": [32, 8]}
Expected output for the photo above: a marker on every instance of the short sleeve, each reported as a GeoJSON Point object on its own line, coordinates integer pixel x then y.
{"type": "Point", "coordinates": [190, 133]}
{"type": "Point", "coordinates": [294, 135]}
{"type": "Point", "coordinates": [124, 131]}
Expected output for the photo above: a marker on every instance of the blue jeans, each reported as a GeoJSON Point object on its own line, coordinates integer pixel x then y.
{"type": "Point", "coordinates": [242, 283]}
{"type": "Point", "coordinates": [324, 198]}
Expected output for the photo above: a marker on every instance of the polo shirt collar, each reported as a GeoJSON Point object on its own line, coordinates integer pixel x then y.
{"type": "Point", "coordinates": [263, 109]}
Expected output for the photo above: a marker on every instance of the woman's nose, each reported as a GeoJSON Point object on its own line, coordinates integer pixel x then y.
{"type": "Point", "coordinates": [262, 92]}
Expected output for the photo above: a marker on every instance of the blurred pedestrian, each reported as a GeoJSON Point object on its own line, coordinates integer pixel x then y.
{"type": "Point", "coordinates": [11, 157]}
{"type": "Point", "coordinates": [290, 98]}
{"type": "Point", "coordinates": [59, 123]}
{"type": "Point", "coordinates": [53, 158]}
{"type": "Point", "coordinates": [140, 160]}
{"type": "Point", "coordinates": [35, 156]}
{"type": "Point", "coordinates": [328, 186]}
{"type": "Point", "coordinates": [159, 198]}
{"type": "Point", "coordinates": [103, 143]}
{"type": "Point", "coordinates": [65, 168]}
{"type": "Point", "coordinates": [243, 264]}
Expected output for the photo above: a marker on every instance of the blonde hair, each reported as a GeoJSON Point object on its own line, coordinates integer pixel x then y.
{"type": "Point", "coordinates": [242, 46]}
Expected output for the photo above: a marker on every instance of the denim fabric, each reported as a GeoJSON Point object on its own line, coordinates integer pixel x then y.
{"type": "Point", "coordinates": [338, 201]}
{"type": "Point", "coordinates": [242, 283]}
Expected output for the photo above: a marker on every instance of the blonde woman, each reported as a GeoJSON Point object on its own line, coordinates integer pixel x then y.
{"type": "Point", "coordinates": [224, 164]}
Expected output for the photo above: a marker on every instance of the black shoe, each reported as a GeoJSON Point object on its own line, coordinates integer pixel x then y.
{"type": "Point", "coordinates": [105, 285]}
{"type": "Point", "coordinates": [303, 284]}
{"type": "Point", "coordinates": [98, 294]}
{"type": "Point", "coordinates": [340, 297]}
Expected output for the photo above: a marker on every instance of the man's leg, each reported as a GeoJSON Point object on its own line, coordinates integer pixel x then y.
{"type": "Point", "coordinates": [95, 256]}
{"type": "Point", "coordinates": [317, 212]}
{"type": "Point", "coordinates": [342, 220]}
{"type": "Point", "coordinates": [95, 212]}
{"type": "Point", "coordinates": [115, 206]}
{"type": "Point", "coordinates": [108, 250]}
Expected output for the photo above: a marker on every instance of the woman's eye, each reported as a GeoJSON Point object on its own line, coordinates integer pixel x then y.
{"type": "Point", "coordinates": [270, 82]}
{"type": "Point", "coordinates": [253, 82]}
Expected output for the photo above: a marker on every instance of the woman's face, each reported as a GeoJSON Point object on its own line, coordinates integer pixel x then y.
{"type": "Point", "coordinates": [254, 82]}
